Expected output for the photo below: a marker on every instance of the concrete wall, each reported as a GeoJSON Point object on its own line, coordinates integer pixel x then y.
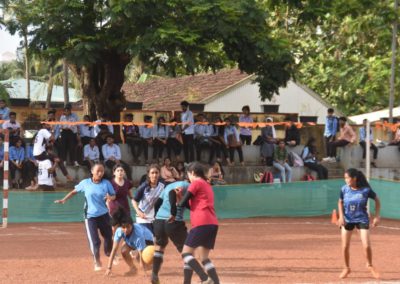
{"type": "Point", "coordinates": [351, 157]}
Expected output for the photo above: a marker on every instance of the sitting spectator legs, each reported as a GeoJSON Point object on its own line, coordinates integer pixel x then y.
{"type": "Point", "coordinates": [373, 147]}
{"type": "Point", "coordinates": [246, 139]}
{"type": "Point", "coordinates": [174, 145]}
{"type": "Point", "coordinates": [232, 153]}
{"type": "Point", "coordinates": [333, 145]}
{"type": "Point", "coordinates": [286, 171]}
{"type": "Point", "coordinates": [29, 173]}
{"type": "Point", "coordinates": [322, 172]}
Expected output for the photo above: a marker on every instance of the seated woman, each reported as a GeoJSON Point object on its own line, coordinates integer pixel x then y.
{"type": "Point", "coordinates": [216, 174]}
{"type": "Point", "coordinates": [134, 237]}
{"type": "Point", "coordinates": [280, 162]}
{"type": "Point", "coordinates": [180, 168]}
{"type": "Point", "coordinates": [168, 173]}
{"type": "Point", "coordinates": [309, 156]}
{"type": "Point", "coordinates": [396, 139]}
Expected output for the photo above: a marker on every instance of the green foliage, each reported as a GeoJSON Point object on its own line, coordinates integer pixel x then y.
{"type": "Point", "coordinates": [176, 36]}
{"type": "Point", "coordinates": [344, 52]}
{"type": "Point", "coordinates": [4, 94]}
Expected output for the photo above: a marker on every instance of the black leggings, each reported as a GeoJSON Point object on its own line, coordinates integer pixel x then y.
{"type": "Point", "coordinates": [322, 172]}
{"type": "Point", "coordinates": [373, 147]}
{"type": "Point", "coordinates": [232, 153]}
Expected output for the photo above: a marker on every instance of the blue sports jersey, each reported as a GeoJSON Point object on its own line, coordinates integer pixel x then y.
{"type": "Point", "coordinates": [137, 239]}
{"type": "Point", "coordinates": [164, 212]}
{"type": "Point", "coordinates": [355, 204]}
{"type": "Point", "coordinates": [95, 194]}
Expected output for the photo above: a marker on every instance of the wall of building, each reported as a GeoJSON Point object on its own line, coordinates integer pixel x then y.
{"type": "Point", "coordinates": [292, 99]}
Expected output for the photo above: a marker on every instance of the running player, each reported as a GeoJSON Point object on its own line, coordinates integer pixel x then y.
{"type": "Point", "coordinates": [203, 233]}
{"type": "Point", "coordinates": [135, 236]}
{"type": "Point", "coordinates": [169, 224]}
{"type": "Point", "coordinates": [353, 214]}
{"type": "Point", "coordinates": [97, 191]}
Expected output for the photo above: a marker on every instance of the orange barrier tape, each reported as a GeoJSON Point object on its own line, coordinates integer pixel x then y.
{"type": "Point", "coordinates": [240, 124]}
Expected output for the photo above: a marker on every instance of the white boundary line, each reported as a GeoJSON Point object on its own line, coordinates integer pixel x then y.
{"type": "Point", "coordinates": [38, 232]}
{"type": "Point", "coordinates": [296, 223]}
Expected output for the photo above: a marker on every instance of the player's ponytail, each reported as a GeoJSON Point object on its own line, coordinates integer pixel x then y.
{"type": "Point", "coordinates": [361, 180]}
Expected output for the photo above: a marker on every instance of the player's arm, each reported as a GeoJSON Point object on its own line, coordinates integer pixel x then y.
{"type": "Point", "coordinates": [68, 196]}
{"type": "Point", "coordinates": [340, 222]}
{"type": "Point", "coordinates": [111, 258]}
{"type": "Point", "coordinates": [377, 217]}
{"type": "Point", "coordinates": [184, 202]}
{"type": "Point", "coordinates": [157, 205]}
{"type": "Point", "coordinates": [172, 203]}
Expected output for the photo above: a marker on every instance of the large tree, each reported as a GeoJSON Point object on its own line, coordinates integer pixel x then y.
{"type": "Point", "coordinates": [99, 38]}
{"type": "Point", "coordinates": [342, 49]}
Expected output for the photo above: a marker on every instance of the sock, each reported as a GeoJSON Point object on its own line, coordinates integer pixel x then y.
{"type": "Point", "coordinates": [211, 271]}
{"type": "Point", "coordinates": [187, 274]}
{"type": "Point", "coordinates": [157, 261]}
{"type": "Point", "coordinates": [195, 265]}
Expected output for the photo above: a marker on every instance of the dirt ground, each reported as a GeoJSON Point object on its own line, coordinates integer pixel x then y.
{"type": "Point", "coordinates": [256, 250]}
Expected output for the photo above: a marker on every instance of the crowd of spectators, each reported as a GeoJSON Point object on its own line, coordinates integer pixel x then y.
{"type": "Point", "coordinates": [174, 145]}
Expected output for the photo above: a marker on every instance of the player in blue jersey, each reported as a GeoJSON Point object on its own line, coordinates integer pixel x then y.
{"type": "Point", "coordinates": [353, 213]}
{"type": "Point", "coordinates": [97, 191]}
{"type": "Point", "coordinates": [169, 224]}
{"type": "Point", "coordinates": [135, 237]}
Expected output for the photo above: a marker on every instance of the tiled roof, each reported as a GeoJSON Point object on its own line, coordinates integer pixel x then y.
{"type": "Point", "coordinates": [166, 94]}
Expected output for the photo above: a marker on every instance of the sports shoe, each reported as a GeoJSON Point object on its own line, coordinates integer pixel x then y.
{"type": "Point", "coordinates": [332, 160]}
{"type": "Point", "coordinates": [97, 267]}
{"type": "Point", "coordinates": [76, 164]}
{"type": "Point", "coordinates": [208, 281]}
{"type": "Point", "coordinates": [326, 159]}
{"type": "Point", "coordinates": [155, 279]}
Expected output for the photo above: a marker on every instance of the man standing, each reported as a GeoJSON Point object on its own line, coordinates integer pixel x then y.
{"type": "Point", "coordinates": [331, 127]}
{"type": "Point", "coordinates": [69, 136]}
{"type": "Point", "coordinates": [187, 132]}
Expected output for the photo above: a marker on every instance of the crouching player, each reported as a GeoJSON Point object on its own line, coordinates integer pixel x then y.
{"type": "Point", "coordinates": [135, 236]}
{"type": "Point", "coordinates": [169, 224]}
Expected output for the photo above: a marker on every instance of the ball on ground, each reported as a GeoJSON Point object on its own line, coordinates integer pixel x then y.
{"type": "Point", "coordinates": [148, 255]}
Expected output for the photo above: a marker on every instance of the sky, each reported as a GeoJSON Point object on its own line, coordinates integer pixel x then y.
{"type": "Point", "coordinates": [8, 44]}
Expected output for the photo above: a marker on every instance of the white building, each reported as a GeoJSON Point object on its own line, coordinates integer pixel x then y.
{"type": "Point", "coordinates": [226, 91]}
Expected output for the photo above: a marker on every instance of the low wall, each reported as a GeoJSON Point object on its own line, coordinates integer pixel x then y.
{"type": "Point", "coordinates": [351, 157]}
{"type": "Point", "coordinates": [240, 201]}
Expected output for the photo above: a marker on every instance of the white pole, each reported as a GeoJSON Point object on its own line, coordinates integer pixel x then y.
{"type": "Point", "coordinates": [368, 150]}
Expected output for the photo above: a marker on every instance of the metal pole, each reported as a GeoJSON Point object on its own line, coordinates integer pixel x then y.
{"type": "Point", "coordinates": [368, 150]}
{"type": "Point", "coordinates": [393, 67]}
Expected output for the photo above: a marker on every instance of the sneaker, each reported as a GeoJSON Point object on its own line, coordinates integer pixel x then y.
{"type": "Point", "coordinates": [208, 281]}
{"type": "Point", "coordinates": [326, 159]}
{"type": "Point", "coordinates": [76, 164]}
{"type": "Point", "coordinates": [332, 160]}
{"type": "Point", "coordinates": [155, 279]}
{"type": "Point", "coordinates": [97, 267]}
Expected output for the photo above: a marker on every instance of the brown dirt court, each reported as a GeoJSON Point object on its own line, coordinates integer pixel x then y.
{"type": "Point", "coordinates": [255, 250]}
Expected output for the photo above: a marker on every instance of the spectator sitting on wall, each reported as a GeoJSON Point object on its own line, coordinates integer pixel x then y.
{"type": "Point", "coordinates": [346, 136]}
{"type": "Point", "coordinates": [168, 173]}
{"type": "Point", "coordinates": [309, 156]}
{"type": "Point", "coordinates": [102, 131]}
{"type": "Point", "coordinates": [216, 174]}
{"type": "Point", "coordinates": [14, 128]}
{"type": "Point", "coordinates": [280, 162]}
{"type": "Point", "coordinates": [396, 139]}
{"type": "Point", "coordinates": [292, 134]}
{"type": "Point", "coordinates": [91, 154]}
{"type": "Point", "coordinates": [232, 141]}
{"type": "Point", "coordinates": [112, 157]}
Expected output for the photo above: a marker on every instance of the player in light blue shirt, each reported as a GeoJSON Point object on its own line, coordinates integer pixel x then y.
{"type": "Point", "coordinates": [353, 213]}
{"type": "Point", "coordinates": [97, 191]}
{"type": "Point", "coordinates": [169, 224]}
{"type": "Point", "coordinates": [135, 236]}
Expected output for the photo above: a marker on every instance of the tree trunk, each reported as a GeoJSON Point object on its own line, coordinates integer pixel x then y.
{"type": "Point", "coordinates": [101, 85]}
{"type": "Point", "coordinates": [65, 82]}
{"type": "Point", "coordinates": [50, 84]}
{"type": "Point", "coordinates": [27, 71]}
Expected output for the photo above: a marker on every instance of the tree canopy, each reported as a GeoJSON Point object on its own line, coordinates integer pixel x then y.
{"type": "Point", "coordinates": [99, 38]}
